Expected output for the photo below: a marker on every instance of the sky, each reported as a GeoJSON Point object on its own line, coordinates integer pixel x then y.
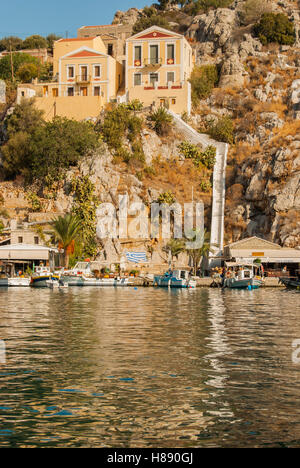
{"type": "Point", "coordinates": [23, 18]}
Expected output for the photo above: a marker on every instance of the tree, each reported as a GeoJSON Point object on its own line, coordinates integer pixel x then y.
{"type": "Point", "coordinates": [35, 42]}
{"type": "Point", "coordinates": [51, 38]}
{"type": "Point", "coordinates": [162, 121]}
{"type": "Point", "coordinates": [275, 28]}
{"type": "Point", "coordinates": [67, 230]}
{"type": "Point", "coordinates": [203, 252]}
{"type": "Point", "coordinates": [150, 17]}
{"type": "Point", "coordinates": [11, 43]}
{"type": "Point", "coordinates": [253, 10]}
{"type": "Point", "coordinates": [42, 151]}
{"type": "Point", "coordinates": [203, 81]}
{"type": "Point", "coordinates": [174, 248]}
{"type": "Point", "coordinates": [19, 59]}
{"type": "Point", "coordinates": [27, 72]}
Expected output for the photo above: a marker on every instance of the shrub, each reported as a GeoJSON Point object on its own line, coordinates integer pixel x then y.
{"type": "Point", "coordinates": [166, 198]}
{"type": "Point", "coordinates": [203, 81]}
{"type": "Point", "coordinates": [42, 150]}
{"type": "Point", "coordinates": [253, 10]}
{"type": "Point", "coordinates": [150, 17]}
{"type": "Point", "coordinates": [162, 121]}
{"type": "Point", "coordinates": [205, 158]}
{"type": "Point", "coordinates": [275, 28]}
{"type": "Point", "coordinates": [19, 60]}
{"type": "Point", "coordinates": [222, 130]}
{"type": "Point", "coordinates": [27, 72]}
{"type": "Point", "coordinates": [205, 5]}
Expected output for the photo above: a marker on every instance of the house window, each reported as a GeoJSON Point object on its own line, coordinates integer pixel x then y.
{"type": "Point", "coordinates": [154, 54]}
{"type": "Point", "coordinates": [170, 77]}
{"type": "Point", "coordinates": [173, 101]}
{"type": "Point", "coordinates": [97, 91]}
{"type": "Point", "coordinates": [55, 92]}
{"type": "Point", "coordinates": [137, 79]}
{"type": "Point", "coordinates": [170, 54]}
{"type": "Point", "coordinates": [97, 71]}
{"type": "Point", "coordinates": [20, 240]}
{"type": "Point", "coordinates": [110, 49]}
{"type": "Point", "coordinates": [71, 72]}
{"type": "Point", "coordinates": [153, 78]}
{"type": "Point", "coordinates": [71, 91]}
{"type": "Point", "coordinates": [83, 91]}
{"type": "Point", "coordinates": [137, 56]}
{"type": "Point", "coordinates": [45, 90]}
{"type": "Point", "coordinates": [84, 73]}
{"type": "Point", "coordinates": [36, 240]}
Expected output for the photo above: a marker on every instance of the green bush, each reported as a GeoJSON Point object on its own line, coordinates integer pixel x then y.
{"type": "Point", "coordinates": [205, 5]}
{"type": "Point", "coordinates": [166, 198]}
{"type": "Point", "coordinates": [19, 60]}
{"type": "Point", "coordinates": [222, 130]}
{"type": "Point", "coordinates": [200, 158]}
{"type": "Point", "coordinates": [150, 17]}
{"type": "Point", "coordinates": [43, 151]}
{"type": "Point", "coordinates": [275, 28]}
{"type": "Point", "coordinates": [161, 121]}
{"type": "Point", "coordinates": [203, 81]}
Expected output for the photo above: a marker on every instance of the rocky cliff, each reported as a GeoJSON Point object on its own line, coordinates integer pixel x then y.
{"type": "Point", "coordinates": [258, 89]}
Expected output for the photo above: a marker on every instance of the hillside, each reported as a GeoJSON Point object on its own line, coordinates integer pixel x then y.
{"type": "Point", "coordinates": [246, 92]}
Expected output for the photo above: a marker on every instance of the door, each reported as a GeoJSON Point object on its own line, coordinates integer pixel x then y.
{"type": "Point", "coordinates": [154, 54]}
{"type": "Point", "coordinates": [83, 91]}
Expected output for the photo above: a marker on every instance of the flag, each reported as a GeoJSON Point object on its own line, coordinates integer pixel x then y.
{"type": "Point", "coordinates": [136, 257]}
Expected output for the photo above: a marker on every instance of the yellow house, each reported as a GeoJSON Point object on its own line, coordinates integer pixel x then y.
{"type": "Point", "coordinates": [85, 78]}
{"type": "Point", "coordinates": [158, 67]}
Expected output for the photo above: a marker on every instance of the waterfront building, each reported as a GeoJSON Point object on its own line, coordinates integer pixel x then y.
{"type": "Point", "coordinates": [159, 64]}
{"type": "Point", "coordinates": [273, 257]}
{"type": "Point", "coordinates": [85, 79]}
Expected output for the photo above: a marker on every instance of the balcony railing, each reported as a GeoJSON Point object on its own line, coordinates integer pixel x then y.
{"type": "Point", "coordinates": [83, 79]}
{"type": "Point", "coordinates": [153, 64]}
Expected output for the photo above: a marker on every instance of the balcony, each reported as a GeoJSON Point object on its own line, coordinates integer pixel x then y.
{"type": "Point", "coordinates": [83, 79]}
{"type": "Point", "coordinates": [152, 64]}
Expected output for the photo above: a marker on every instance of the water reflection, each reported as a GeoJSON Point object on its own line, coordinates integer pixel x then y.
{"type": "Point", "coordinates": [135, 368]}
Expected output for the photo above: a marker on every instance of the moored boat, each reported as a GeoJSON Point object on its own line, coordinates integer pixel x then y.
{"type": "Point", "coordinates": [15, 282]}
{"type": "Point", "coordinates": [175, 279]}
{"type": "Point", "coordinates": [41, 275]}
{"type": "Point", "coordinates": [291, 283]}
{"type": "Point", "coordinates": [82, 275]}
{"type": "Point", "coordinates": [243, 276]}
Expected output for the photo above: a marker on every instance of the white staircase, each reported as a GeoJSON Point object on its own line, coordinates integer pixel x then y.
{"type": "Point", "coordinates": [219, 181]}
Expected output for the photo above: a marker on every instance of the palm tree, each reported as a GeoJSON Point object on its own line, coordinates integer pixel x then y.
{"type": "Point", "coordinates": [174, 248]}
{"type": "Point", "coordinates": [67, 230]}
{"type": "Point", "coordinates": [162, 121]}
{"type": "Point", "coordinates": [203, 252]}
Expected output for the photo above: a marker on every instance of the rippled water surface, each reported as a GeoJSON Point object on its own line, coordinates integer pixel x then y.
{"type": "Point", "coordinates": [149, 368]}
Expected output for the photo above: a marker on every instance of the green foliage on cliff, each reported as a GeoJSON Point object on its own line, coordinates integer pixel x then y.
{"type": "Point", "coordinates": [275, 28]}
{"type": "Point", "coordinates": [42, 151]}
{"type": "Point", "coordinates": [203, 81]}
{"type": "Point", "coordinates": [206, 158]}
{"type": "Point", "coordinates": [161, 121]}
{"type": "Point", "coordinates": [150, 17]}
{"type": "Point", "coordinates": [222, 130]}
{"type": "Point", "coordinates": [84, 208]}
{"type": "Point", "coordinates": [121, 123]}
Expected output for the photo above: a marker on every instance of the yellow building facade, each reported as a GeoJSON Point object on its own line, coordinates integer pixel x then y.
{"type": "Point", "coordinates": [85, 78]}
{"type": "Point", "coordinates": [158, 67]}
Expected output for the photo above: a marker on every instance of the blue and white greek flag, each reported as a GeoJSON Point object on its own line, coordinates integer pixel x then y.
{"type": "Point", "coordinates": [136, 257]}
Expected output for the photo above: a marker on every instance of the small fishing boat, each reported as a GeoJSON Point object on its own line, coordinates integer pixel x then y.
{"type": "Point", "coordinates": [9, 278]}
{"type": "Point", "coordinates": [243, 276]}
{"type": "Point", "coordinates": [291, 282]}
{"type": "Point", "coordinates": [175, 279]}
{"type": "Point", "coordinates": [15, 282]}
{"type": "Point", "coordinates": [82, 275]}
{"type": "Point", "coordinates": [41, 275]}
